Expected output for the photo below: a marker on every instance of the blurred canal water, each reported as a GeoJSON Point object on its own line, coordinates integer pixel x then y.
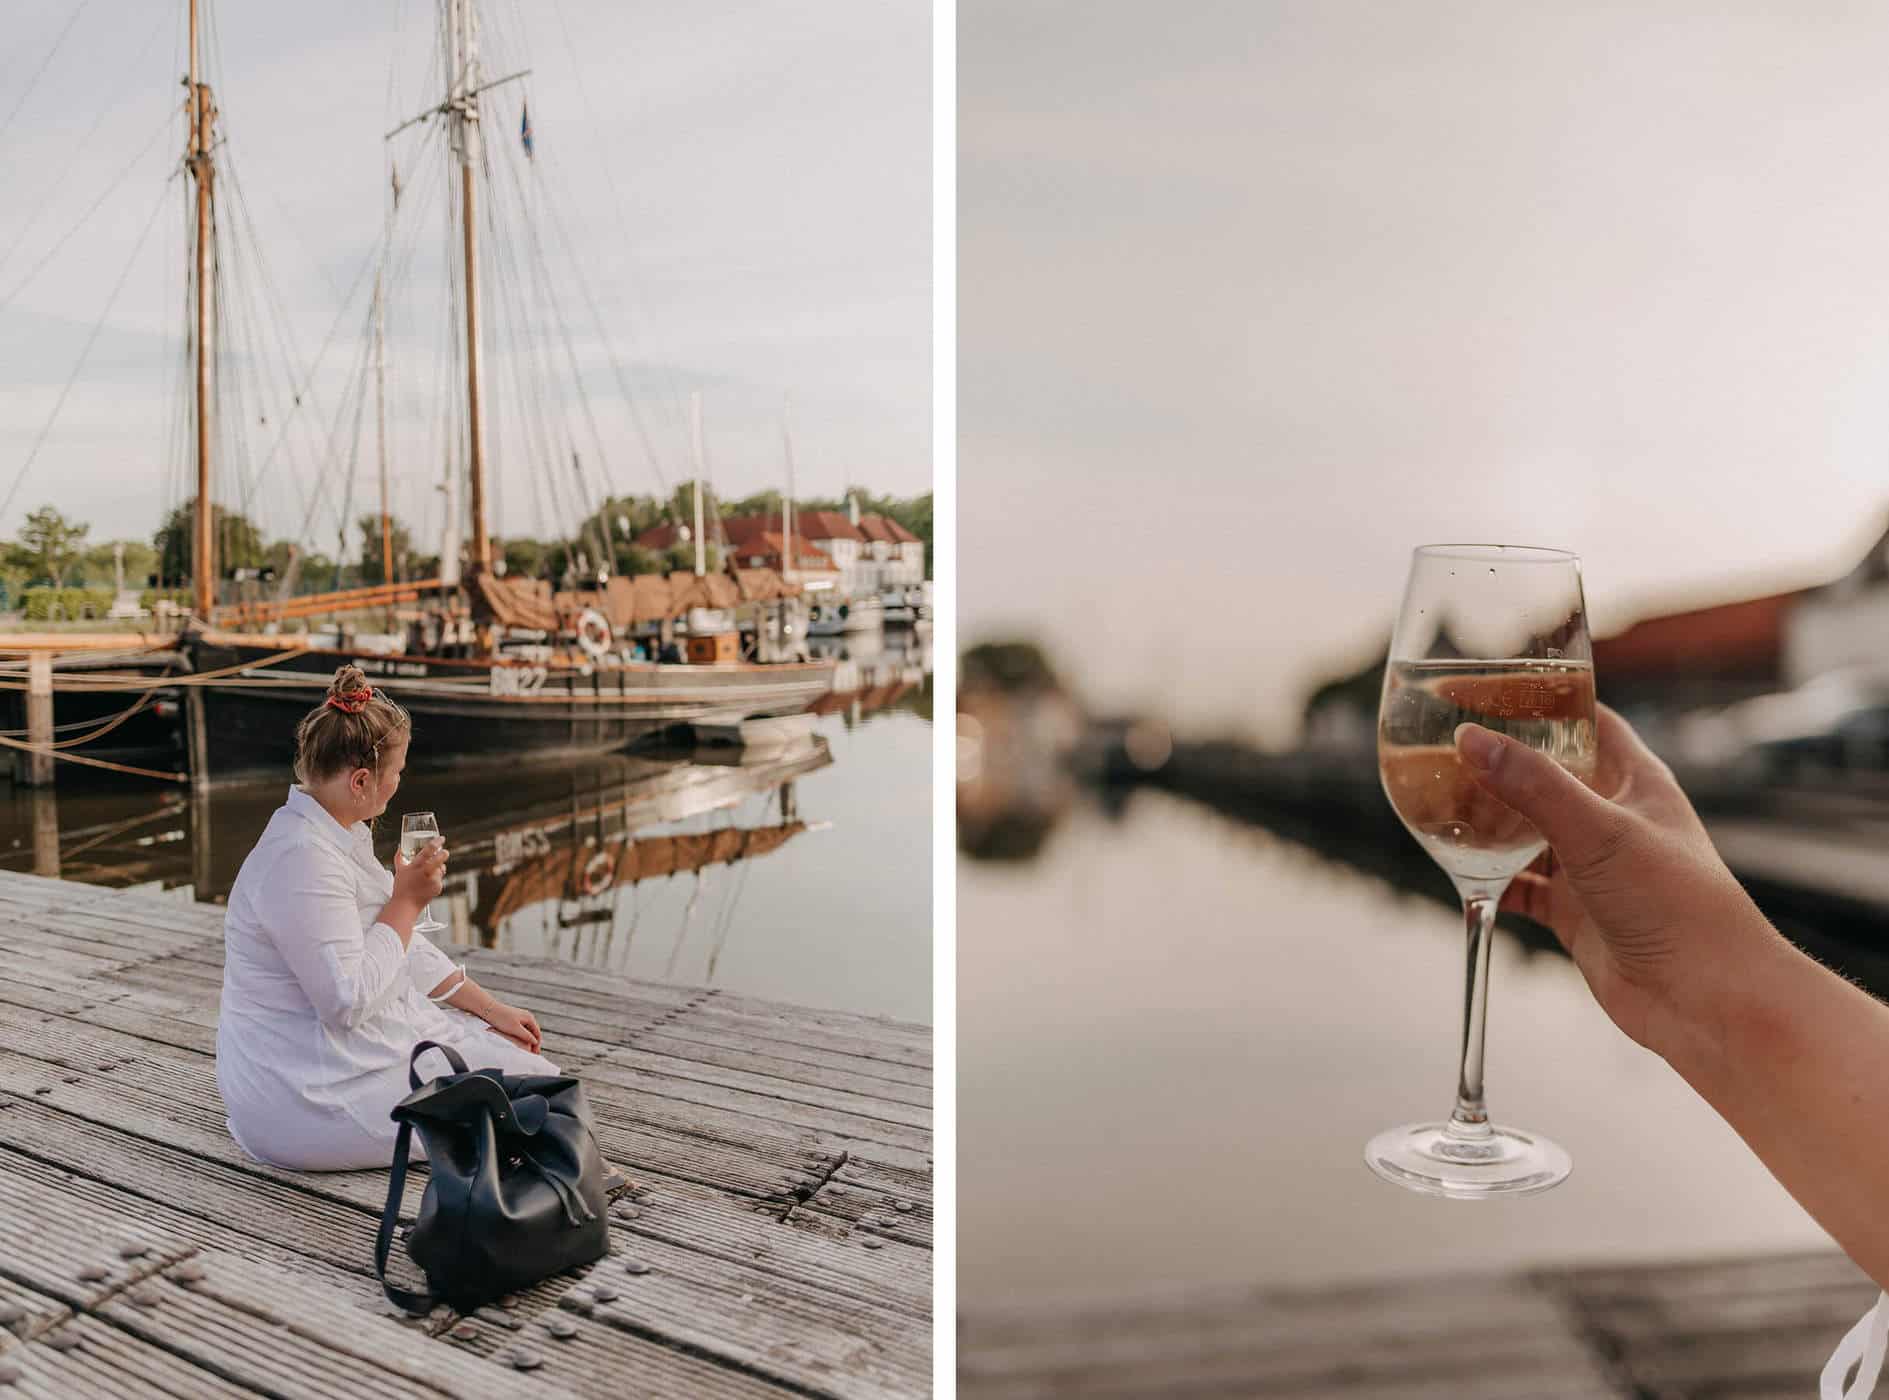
{"type": "Point", "coordinates": [1176, 1033]}
{"type": "Point", "coordinates": [803, 876]}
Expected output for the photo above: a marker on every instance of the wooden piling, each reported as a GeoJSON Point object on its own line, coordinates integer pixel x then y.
{"type": "Point", "coordinates": [33, 767]}
{"type": "Point", "coordinates": [196, 738]}
{"type": "Point", "coordinates": [46, 833]}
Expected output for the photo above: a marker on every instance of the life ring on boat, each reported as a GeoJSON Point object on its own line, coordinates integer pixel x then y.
{"type": "Point", "coordinates": [593, 633]}
{"type": "Point", "coordinates": [597, 872]}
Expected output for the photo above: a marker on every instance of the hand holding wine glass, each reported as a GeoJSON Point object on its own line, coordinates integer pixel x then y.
{"type": "Point", "coordinates": [419, 830]}
{"type": "Point", "coordinates": [1633, 888]}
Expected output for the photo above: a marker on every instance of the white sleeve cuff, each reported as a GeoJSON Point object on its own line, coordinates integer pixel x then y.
{"type": "Point", "coordinates": [459, 968]}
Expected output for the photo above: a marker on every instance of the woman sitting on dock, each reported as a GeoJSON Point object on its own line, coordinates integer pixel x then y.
{"type": "Point", "coordinates": [326, 987]}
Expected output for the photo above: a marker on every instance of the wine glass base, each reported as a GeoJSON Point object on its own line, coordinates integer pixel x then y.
{"type": "Point", "coordinates": [430, 926]}
{"type": "Point", "coordinates": [1424, 1157]}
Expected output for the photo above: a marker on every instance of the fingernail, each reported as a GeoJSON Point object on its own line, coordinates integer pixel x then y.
{"type": "Point", "coordinates": [1480, 749]}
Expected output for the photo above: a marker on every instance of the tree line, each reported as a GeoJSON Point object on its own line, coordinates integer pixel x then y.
{"type": "Point", "coordinates": [52, 551]}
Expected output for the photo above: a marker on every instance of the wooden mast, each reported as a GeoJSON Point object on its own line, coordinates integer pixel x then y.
{"type": "Point", "coordinates": [380, 414]}
{"type": "Point", "coordinates": [695, 449]}
{"type": "Point", "coordinates": [789, 555]}
{"type": "Point", "coordinates": [466, 128]}
{"type": "Point", "coordinates": [199, 162]}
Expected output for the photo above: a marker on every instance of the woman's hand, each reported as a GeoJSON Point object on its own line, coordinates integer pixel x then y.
{"type": "Point", "coordinates": [515, 1025]}
{"type": "Point", "coordinates": [418, 880]}
{"type": "Point", "coordinates": [1631, 884]}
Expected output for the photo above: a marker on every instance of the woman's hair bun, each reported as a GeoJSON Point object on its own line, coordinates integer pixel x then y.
{"type": "Point", "coordinates": [348, 679]}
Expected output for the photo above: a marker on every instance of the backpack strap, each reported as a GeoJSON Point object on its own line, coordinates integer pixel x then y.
{"type": "Point", "coordinates": [421, 1303]}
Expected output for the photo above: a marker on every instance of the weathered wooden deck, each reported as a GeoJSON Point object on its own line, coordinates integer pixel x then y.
{"type": "Point", "coordinates": [779, 1241]}
{"type": "Point", "coordinates": [1754, 1328]}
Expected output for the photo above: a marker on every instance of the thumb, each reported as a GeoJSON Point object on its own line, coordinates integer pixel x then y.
{"type": "Point", "coordinates": [1578, 822]}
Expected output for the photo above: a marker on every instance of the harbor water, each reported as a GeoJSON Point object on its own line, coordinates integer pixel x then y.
{"type": "Point", "coordinates": [1176, 1034]}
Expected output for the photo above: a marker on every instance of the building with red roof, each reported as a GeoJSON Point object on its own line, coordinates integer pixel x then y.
{"type": "Point", "coordinates": [761, 549]}
{"type": "Point", "coordinates": [896, 555]}
{"type": "Point", "coordinates": [864, 554]}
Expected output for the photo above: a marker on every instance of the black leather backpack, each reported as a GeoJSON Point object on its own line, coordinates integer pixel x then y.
{"type": "Point", "coordinates": [515, 1188]}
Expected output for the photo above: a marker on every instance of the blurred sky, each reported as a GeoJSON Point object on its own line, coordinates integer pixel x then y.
{"type": "Point", "coordinates": [1256, 296]}
{"type": "Point", "coordinates": [745, 186]}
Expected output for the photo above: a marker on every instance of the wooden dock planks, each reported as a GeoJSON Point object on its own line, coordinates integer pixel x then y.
{"type": "Point", "coordinates": [779, 1241]}
{"type": "Point", "coordinates": [1744, 1327]}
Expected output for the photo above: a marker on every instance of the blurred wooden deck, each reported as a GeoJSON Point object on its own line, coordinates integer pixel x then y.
{"type": "Point", "coordinates": [1752, 1328]}
{"type": "Point", "coordinates": [779, 1243]}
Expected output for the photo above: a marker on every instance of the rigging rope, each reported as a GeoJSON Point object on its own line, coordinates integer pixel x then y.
{"type": "Point", "coordinates": [57, 749]}
{"type": "Point", "coordinates": [103, 763]}
{"type": "Point", "coordinates": [624, 243]}
{"type": "Point", "coordinates": [533, 409]}
{"type": "Point", "coordinates": [117, 182]}
{"type": "Point", "coordinates": [124, 87]}
{"type": "Point", "coordinates": [44, 64]}
{"type": "Point", "coordinates": [84, 354]}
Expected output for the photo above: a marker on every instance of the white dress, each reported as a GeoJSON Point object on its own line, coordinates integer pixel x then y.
{"type": "Point", "coordinates": [321, 1005]}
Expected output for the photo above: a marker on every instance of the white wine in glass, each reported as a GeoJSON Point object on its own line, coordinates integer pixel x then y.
{"type": "Point", "coordinates": [418, 830]}
{"type": "Point", "coordinates": [1494, 635]}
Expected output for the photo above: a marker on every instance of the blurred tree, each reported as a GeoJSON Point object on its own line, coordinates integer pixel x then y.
{"type": "Point", "coordinates": [524, 557]}
{"type": "Point", "coordinates": [631, 560]}
{"type": "Point", "coordinates": [760, 503]}
{"type": "Point", "coordinates": [238, 544]}
{"type": "Point", "coordinates": [370, 568]}
{"type": "Point", "coordinates": [681, 559]}
{"type": "Point", "coordinates": [53, 543]}
{"type": "Point", "coordinates": [98, 565]}
{"type": "Point", "coordinates": [16, 572]}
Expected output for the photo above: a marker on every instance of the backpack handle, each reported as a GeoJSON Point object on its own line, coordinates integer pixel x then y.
{"type": "Point", "coordinates": [413, 1061]}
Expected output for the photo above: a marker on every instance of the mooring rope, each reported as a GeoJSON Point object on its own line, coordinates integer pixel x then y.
{"type": "Point", "coordinates": [58, 747]}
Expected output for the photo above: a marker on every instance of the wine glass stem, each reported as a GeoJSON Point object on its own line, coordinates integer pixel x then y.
{"type": "Point", "coordinates": [1470, 1120]}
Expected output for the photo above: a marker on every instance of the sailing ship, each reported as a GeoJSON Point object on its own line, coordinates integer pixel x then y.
{"type": "Point", "coordinates": [491, 666]}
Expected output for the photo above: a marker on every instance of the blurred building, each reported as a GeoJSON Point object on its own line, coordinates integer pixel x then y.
{"type": "Point", "coordinates": [1706, 656]}
{"type": "Point", "coordinates": [895, 557]}
{"type": "Point", "coordinates": [1843, 625]}
{"type": "Point", "coordinates": [764, 549]}
{"type": "Point", "coordinates": [864, 554]}
{"type": "Point", "coordinates": [1704, 659]}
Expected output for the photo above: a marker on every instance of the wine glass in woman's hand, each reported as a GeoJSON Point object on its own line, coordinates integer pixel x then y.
{"type": "Point", "coordinates": [1491, 636]}
{"type": "Point", "coordinates": [418, 830]}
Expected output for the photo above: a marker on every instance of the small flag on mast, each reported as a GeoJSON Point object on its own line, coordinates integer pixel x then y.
{"type": "Point", "coordinates": [524, 131]}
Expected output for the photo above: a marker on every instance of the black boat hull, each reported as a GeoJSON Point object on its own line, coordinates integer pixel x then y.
{"type": "Point", "coordinates": [151, 738]}
{"type": "Point", "coordinates": [469, 713]}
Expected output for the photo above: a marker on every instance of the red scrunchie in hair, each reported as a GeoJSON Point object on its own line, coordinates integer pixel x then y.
{"type": "Point", "coordinates": [352, 701]}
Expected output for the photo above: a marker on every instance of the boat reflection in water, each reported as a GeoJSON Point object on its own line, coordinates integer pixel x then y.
{"type": "Point", "coordinates": [569, 861]}
{"type": "Point", "coordinates": [872, 672]}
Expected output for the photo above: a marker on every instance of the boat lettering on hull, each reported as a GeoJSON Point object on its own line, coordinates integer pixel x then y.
{"type": "Point", "coordinates": [382, 666]}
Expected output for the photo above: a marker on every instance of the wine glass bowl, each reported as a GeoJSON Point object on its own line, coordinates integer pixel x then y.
{"type": "Point", "coordinates": [1494, 635]}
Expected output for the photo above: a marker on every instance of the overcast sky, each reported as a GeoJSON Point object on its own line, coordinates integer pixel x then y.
{"type": "Point", "coordinates": [744, 185]}
{"type": "Point", "coordinates": [1257, 296]}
